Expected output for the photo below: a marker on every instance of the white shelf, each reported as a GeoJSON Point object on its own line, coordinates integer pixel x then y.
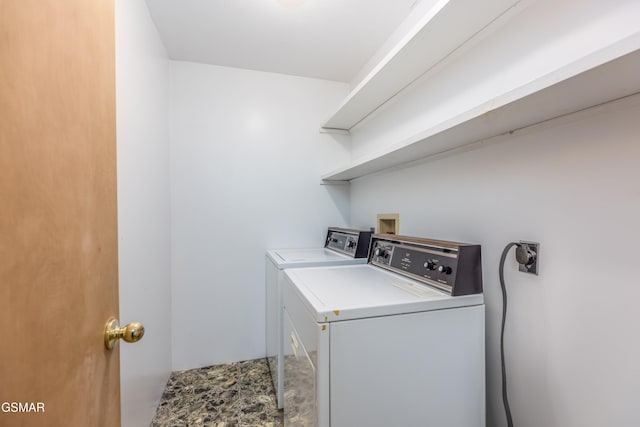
{"type": "Point", "coordinates": [605, 75]}
{"type": "Point", "coordinates": [427, 44]}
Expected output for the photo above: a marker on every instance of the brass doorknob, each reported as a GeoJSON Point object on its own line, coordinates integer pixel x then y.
{"type": "Point", "coordinates": [132, 332]}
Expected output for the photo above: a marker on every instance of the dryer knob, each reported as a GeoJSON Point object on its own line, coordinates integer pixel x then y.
{"type": "Point", "coordinates": [444, 269]}
{"type": "Point", "coordinates": [429, 265]}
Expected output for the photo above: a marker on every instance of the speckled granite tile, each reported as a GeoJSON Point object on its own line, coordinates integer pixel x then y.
{"type": "Point", "coordinates": [233, 395]}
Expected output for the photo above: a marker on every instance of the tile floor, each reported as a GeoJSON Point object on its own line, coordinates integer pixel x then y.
{"type": "Point", "coordinates": [233, 395]}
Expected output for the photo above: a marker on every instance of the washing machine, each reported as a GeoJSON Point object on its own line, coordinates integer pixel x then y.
{"type": "Point", "coordinates": [342, 246]}
{"type": "Point", "coordinates": [396, 342]}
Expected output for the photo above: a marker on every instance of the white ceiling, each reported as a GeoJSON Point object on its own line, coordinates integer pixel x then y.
{"type": "Point", "coordinates": [327, 39]}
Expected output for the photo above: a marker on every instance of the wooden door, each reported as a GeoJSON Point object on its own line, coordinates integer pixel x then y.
{"type": "Point", "coordinates": [58, 229]}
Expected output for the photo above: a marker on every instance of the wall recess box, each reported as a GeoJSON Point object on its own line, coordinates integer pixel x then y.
{"type": "Point", "coordinates": [388, 223]}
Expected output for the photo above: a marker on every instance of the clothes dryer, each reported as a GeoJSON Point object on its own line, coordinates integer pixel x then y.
{"type": "Point", "coordinates": [398, 341]}
{"type": "Point", "coordinates": [342, 247]}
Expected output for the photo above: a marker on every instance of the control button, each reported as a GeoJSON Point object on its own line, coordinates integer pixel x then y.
{"type": "Point", "coordinates": [444, 269]}
{"type": "Point", "coordinates": [331, 239]}
{"type": "Point", "coordinates": [429, 265]}
{"type": "Point", "coordinates": [351, 244]}
{"type": "Point", "coordinates": [381, 253]}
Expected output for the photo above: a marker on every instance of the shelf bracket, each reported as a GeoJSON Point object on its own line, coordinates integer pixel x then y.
{"type": "Point", "coordinates": [334, 182]}
{"type": "Point", "coordinates": [335, 131]}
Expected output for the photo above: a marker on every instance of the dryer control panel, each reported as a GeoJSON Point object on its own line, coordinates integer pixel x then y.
{"type": "Point", "coordinates": [354, 243]}
{"type": "Point", "coordinates": [455, 268]}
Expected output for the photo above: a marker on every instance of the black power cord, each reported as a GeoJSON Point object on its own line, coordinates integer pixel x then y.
{"type": "Point", "coordinates": [505, 398]}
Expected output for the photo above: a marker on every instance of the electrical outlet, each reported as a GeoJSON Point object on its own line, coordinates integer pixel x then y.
{"type": "Point", "coordinates": [527, 255]}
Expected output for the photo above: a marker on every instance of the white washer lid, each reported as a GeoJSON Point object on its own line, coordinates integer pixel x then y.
{"type": "Point", "coordinates": [353, 292]}
{"type": "Point", "coordinates": [288, 258]}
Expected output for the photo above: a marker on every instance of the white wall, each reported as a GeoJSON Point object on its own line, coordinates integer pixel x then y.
{"type": "Point", "coordinates": [572, 185]}
{"type": "Point", "coordinates": [246, 157]}
{"type": "Point", "coordinates": [142, 97]}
